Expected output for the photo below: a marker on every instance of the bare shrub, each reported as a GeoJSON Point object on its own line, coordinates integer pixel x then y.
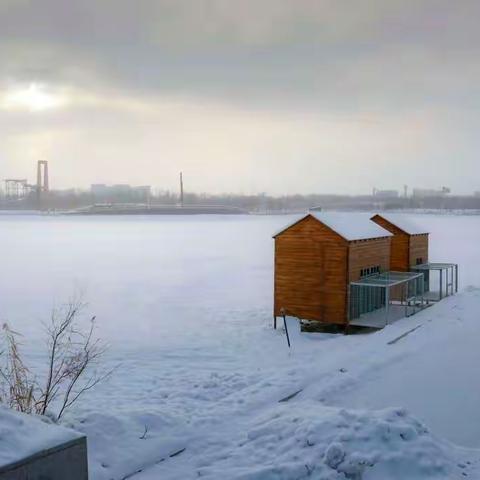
{"type": "Point", "coordinates": [73, 365]}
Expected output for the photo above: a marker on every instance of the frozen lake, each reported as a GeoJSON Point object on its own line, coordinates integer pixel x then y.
{"type": "Point", "coordinates": [166, 279]}
{"type": "Point", "coordinates": [154, 277]}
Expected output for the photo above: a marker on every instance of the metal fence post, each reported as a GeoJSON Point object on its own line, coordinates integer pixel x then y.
{"type": "Point", "coordinates": [441, 283]}
{"type": "Point", "coordinates": [387, 303]}
{"type": "Point", "coordinates": [456, 278]}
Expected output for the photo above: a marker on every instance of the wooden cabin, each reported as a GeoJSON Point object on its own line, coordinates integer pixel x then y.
{"type": "Point", "coordinates": [316, 258]}
{"type": "Point", "coordinates": [409, 242]}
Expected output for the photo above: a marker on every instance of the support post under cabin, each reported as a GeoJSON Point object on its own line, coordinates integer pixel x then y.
{"type": "Point", "coordinates": [286, 329]}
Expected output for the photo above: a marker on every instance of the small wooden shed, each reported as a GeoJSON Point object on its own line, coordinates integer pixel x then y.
{"type": "Point", "coordinates": [409, 242]}
{"type": "Point", "coordinates": [316, 258]}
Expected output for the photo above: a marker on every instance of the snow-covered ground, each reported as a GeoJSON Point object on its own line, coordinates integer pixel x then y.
{"type": "Point", "coordinates": [185, 304]}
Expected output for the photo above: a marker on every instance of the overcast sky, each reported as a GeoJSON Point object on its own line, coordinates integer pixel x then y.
{"type": "Point", "coordinates": [276, 96]}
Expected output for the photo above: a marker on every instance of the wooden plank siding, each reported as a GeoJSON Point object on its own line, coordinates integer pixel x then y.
{"type": "Point", "coordinates": [311, 272]}
{"type": "Point", "coordinates": [368, 253]}
{"type": "Point", "coordinates": [418, 249]}
{"type": "Point", "coordinates": [406, 248]}
{"type": "Point", "coordinates": [314, 267]}
{"type": "Point", "coordinates": [399, 255]}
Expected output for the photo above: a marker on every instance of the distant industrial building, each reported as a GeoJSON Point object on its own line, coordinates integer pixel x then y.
{"type": "Point", "coordinates": [99, 189]}
{"type": "Point", "coordinates": [120, 192]}
{"type": "Point", "coordinates": [17, 190]}
{"type": "Point", "coordinates": [428, 193]}
{"type": "Point", "coordinates": [385, 194]}
{"type": "Point", "coordinates": [143, 191]}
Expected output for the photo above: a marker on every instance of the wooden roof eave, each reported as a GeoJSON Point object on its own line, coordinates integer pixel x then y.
{"type": "Point", "coordinates": [369, 239]}
{"type": "Point", "coordinates": [399, 228]}
{"type": "Point", "coordinates": [347, 241]}
{"type": "Point", "coordinates": [318, 221]}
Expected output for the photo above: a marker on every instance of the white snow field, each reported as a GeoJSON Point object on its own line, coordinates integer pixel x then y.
{"type": "Point", "coordinates": [185, 303]}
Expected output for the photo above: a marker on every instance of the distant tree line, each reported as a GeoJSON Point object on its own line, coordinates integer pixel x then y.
{"type": "Point", "coordinates": [261, 203]}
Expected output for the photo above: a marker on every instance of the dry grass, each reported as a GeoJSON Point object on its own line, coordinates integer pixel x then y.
{"type": "Point", "coordinates": [73, 368]}
{"type": "Point", "coordinates": [16, 383]}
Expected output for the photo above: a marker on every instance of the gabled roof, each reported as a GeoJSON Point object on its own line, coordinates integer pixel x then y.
{"type": "Point", "coordinates": [404, 223]}
{"type": "Point", "coordinates": [350, 226]}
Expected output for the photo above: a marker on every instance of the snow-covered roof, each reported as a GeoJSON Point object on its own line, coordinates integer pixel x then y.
{"type": "Point", "coordinates": [404, 223]}
{"type": "Point", "coordinates": [25, 435]}
{"type": "Point", "coordinates": [350, 226]}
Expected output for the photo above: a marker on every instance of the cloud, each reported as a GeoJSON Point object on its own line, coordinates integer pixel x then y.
{"type": "Point", "coordinates": [331, 94]}
{"type": "Point", "coordinates": [273, 50]}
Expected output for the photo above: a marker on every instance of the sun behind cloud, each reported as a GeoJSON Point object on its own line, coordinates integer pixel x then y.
{"type": "Point", "coordinates": [33, 98]}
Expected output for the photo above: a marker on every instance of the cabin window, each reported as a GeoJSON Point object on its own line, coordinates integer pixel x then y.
{"type": "Point", "coordinates": [419, 261]}
{"type": "Point", "coordinates": [365, 272]}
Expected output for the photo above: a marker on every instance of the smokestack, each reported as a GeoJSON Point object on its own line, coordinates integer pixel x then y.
{"type": "Point", "coordinates": [42, 180]}
{"type": "Point", "coordinates": [181, 189]}
{"type": "Point", "coordinates": [39, 176]}
{"type": "Point", "coordinates": [46, 185]}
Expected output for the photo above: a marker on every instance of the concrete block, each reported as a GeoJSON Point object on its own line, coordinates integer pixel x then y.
{"type": "Point", "coordinates": [65, 461]}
